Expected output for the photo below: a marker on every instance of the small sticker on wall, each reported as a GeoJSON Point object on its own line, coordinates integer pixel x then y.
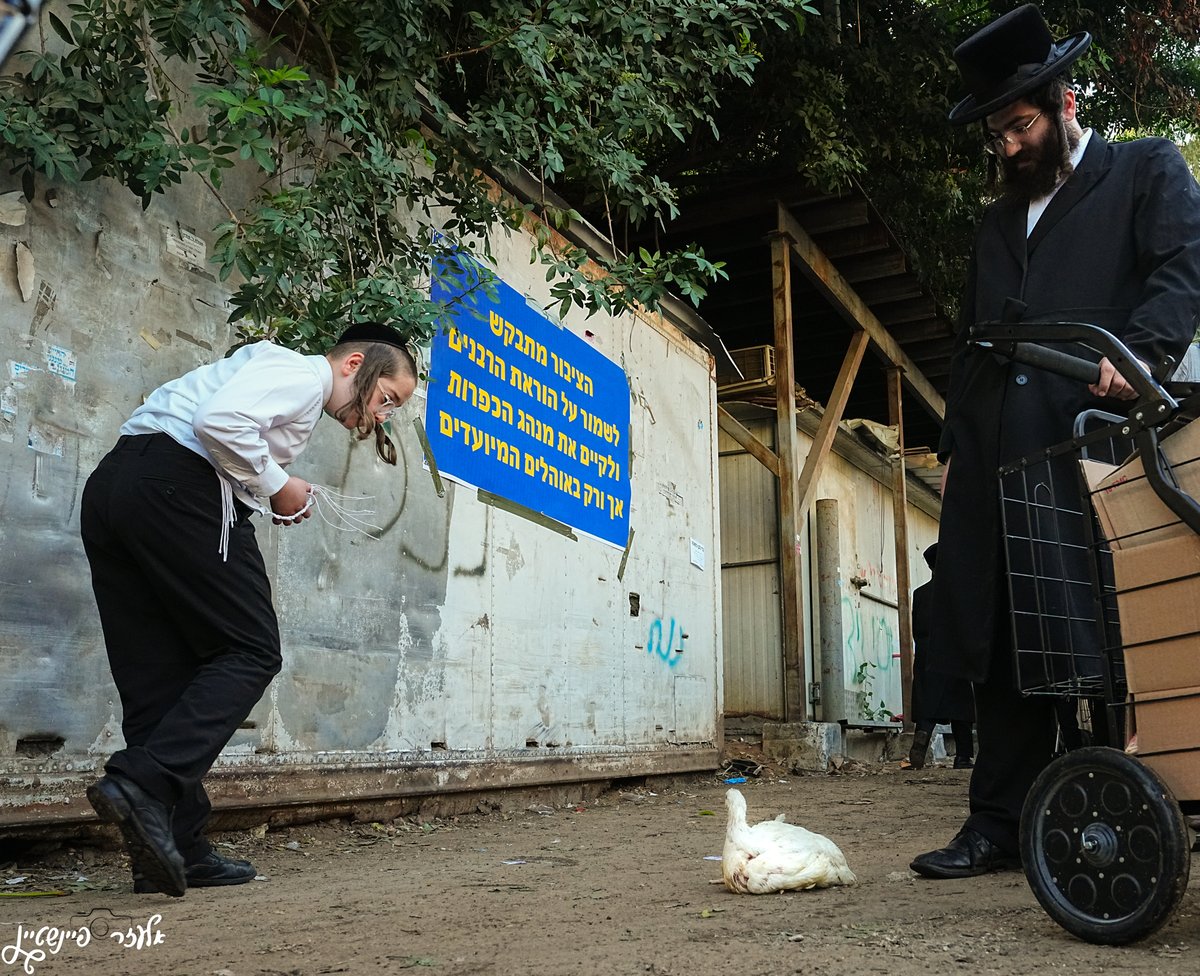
{"type": "Point", "coordinates": [186, 245]}
{"type": "Point", "coordinates": [17, 370]}
{"type": "Point", "coordinates": [697, 554]}
{"type": "Point", "coordinates": [61, 362]}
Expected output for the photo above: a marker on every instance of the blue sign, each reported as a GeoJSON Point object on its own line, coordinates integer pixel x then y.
{"type": "Point", "coordinates": [527, 410]}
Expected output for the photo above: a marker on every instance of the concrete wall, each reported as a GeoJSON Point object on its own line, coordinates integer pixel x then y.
{"type": "Point", "coordinates": [468, 648]}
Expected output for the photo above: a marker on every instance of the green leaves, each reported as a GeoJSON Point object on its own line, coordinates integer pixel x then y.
{"type": "Point", "coordinates": [365, 141]}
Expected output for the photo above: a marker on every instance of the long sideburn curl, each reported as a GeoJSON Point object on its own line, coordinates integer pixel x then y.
{"type": "Point", "coordinates": [379, 360]}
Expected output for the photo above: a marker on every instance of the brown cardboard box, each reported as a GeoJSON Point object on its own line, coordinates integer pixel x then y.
{"type": "Point", "coordinates": [1163, 665]}
{"type": "Point", "coordinates": [1168, 721]}
{"type": "Point", "coordinates": [1179, 770]}
{"type": "Point", "coordinates": [1158, 602]}
{"type": "Point", "coordinates": [1130, 513]}
{"type": "Point", "coordinates": [1156, 566]}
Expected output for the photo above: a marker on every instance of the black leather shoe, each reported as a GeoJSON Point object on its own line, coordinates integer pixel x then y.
{"type": "Point", "coordinates": [212, 871]}
{"type": "Point", "coordinates": [145, 824]}
{"type": "Point", "coordinates": [964, 762]}
{"type": "Point", "coordinates": [968, 855]}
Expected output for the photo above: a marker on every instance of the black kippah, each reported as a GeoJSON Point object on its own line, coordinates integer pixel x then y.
{"type": "Point", "coordinates": [373, 332]}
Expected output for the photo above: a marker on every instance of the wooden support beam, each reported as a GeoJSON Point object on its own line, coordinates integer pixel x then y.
{"type": "Point", "coordinates": [818, 267]}
{"type": "Point", "coordinates": [733, 427]}
{"type": "Point", "coordinates": [791, 517]}
{"type": "Point", "coordinates": [900, 527]}
{"type": "Point", "coordinates": [827, 430]}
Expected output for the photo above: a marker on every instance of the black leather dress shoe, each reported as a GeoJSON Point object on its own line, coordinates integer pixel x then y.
{"type": "Point", "coordinates": [211, 871]}
{"type": "Point", "coordinates": [968, 855]}
{"type": "Point", "coordinates": [145, 824]}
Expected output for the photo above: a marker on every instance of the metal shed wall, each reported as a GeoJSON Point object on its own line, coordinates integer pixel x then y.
{"type": "Point", "coordinates": [752, 628]}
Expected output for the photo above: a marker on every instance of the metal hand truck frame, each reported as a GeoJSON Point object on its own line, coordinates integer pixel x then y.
{"type": "Point", "coordinates": [1104, 841]}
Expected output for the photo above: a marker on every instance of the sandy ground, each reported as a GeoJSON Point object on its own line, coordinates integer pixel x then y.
{"type": "Point", "coordinates": [618, 884]}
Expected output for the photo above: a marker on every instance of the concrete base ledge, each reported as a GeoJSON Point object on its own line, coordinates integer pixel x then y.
{"type": "Point", "coordinates": [279, 793]}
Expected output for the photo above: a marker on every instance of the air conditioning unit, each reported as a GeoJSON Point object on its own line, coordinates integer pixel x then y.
{"type": "Point", "coordinates": [757, 365]}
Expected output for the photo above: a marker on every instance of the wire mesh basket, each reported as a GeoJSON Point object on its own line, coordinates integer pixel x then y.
{"type": "Point", "coordinates": [1066, 636]}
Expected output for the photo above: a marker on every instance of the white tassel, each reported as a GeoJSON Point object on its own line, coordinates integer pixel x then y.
{"type": "Point", "coordinates": [344, 518]}
{"type": "Point", "coordinates": [335, 511]}
{"type": "Point", "coordinates": [228, 518]}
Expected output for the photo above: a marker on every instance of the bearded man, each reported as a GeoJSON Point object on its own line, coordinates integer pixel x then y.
{"type": "Point", "coordinates": [1084, 231]}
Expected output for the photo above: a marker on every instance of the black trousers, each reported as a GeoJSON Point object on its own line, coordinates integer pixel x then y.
{"type": "Point", "coordinates": [964, 742]}
{"type": "Point", "coordinates": [1015, 736]}
{"type": "Point", "coordinates": [192, 639]}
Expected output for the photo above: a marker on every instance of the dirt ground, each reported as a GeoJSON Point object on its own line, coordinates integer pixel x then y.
{"type": "Point", "coordinates": [614, 885]}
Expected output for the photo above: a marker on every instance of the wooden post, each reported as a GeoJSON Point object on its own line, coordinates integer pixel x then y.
{"type": "Point", "coordinates": [791, 519]}
{"type": "Point", "coordinates": [900, 520]}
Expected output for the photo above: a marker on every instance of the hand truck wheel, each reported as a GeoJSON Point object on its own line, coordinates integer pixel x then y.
{"type": "Point", "coordinates": [1105, 846]}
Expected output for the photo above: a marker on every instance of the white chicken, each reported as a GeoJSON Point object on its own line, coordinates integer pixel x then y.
{"type": "Point", "coordinates": [777, 856]}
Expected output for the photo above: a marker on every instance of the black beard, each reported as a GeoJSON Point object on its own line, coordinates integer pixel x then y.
{"type": "Point", "coordinates": [1052, 163]}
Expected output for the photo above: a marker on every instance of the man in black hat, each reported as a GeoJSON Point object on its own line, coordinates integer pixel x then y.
{"type": "Point", "coordinates": [1082, 230]}
{"type": "Point", "coordinates": [182, 590]}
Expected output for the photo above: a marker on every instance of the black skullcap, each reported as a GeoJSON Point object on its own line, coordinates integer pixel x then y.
{"type": "Point", "coordinates": [373, 332]}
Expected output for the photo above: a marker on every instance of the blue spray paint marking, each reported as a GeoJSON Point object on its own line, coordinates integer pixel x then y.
{"type": "Point", "coordinates": [655, 645]}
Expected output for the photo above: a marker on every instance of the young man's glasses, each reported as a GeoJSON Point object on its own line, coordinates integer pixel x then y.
{"type": "Point", "coordinates": [386, 408]}
{"type": "Point", "coordinates": [1010, 136]}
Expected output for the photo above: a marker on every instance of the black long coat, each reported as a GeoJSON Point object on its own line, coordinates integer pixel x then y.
{"type": "Point", "coordinates": [1118, 246]}
{"type": "Point", "coordinates": [935, 695]}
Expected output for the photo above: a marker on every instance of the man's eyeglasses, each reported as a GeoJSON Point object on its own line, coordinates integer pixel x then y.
{"type": "Point", "coordinates": [386, 408]}
{"type": "Point", "coordinates": [1012, 135]}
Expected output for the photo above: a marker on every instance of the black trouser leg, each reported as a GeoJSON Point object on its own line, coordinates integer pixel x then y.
{"type": "Point", "coordinates": [1016, 741]}
{"type": "Point", "coordinates": [191, 817]}
{"type": "Point", "coordinates": [964, 740]}
{"type": "Point", "coordinates": [192, 639]}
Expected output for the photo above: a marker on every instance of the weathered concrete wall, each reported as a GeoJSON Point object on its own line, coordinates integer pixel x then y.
{"type": "Point", "coordinates": [467, 648]}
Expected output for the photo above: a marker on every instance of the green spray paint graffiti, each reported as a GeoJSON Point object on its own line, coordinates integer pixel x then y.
{"type": "Point", "coordinates": [872, 646]}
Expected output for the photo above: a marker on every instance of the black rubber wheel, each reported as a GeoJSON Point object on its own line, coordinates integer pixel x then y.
{"type": "Point", "coordinates": [1105, 846]}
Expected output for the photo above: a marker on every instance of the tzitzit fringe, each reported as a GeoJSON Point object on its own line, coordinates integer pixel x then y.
{"type": "Point", "coordinates": [228, 517]}
{"type": "Point", "coordinates": [336, 511]}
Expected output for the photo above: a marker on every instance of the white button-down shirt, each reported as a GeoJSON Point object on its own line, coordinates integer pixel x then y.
{"type": "Point", "coordinates": [1038, 207]}
{"type": "Point", "coordinates": [250, 414]}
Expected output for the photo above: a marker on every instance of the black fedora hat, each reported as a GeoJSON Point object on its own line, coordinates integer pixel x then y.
{"type": "Point", "coordinates": [1010, 57]}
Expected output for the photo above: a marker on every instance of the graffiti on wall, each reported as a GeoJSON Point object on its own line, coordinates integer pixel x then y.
{"type": "Point", "coordinates": [872, 646]}
{"type": "Point", "coordinates": [670, 648]}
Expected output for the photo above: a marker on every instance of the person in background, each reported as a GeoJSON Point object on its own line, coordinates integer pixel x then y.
{"type": "Point", "coordinates": [936, 698]}
{"type": "Point", "coordinates": [1081, 230]}
{"type": "Point", "coordinates": [182, 590]}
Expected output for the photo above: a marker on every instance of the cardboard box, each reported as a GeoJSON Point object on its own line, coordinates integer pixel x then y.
{"type": "Point", "coordinates": [1156, 566]}
{"type": "Point", "coordinates": [1163, 665]}
{"type": "Point", "coordinates": [1158, 603]}
{"type": "Point", "coordinates": [1130, 513]}
{"type": "Point", "coordinates": [1168, 721]}
{"type": "Point", "coordinates": [1180, 771]}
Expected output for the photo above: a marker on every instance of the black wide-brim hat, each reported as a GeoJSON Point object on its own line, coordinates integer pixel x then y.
{"type": "Point", "coordinates": [1010, 57]}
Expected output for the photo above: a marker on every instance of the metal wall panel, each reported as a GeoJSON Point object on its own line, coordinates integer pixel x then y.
{"type": "Point", "coordinates": [870, 617]}
{"type": "Point", "coordinates": [752, 617]}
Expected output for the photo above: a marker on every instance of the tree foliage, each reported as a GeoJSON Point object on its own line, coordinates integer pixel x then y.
{"type": "Point", "coordinates": [861, 96]}
{"type": "Point", "coordinates": [369, 123]}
